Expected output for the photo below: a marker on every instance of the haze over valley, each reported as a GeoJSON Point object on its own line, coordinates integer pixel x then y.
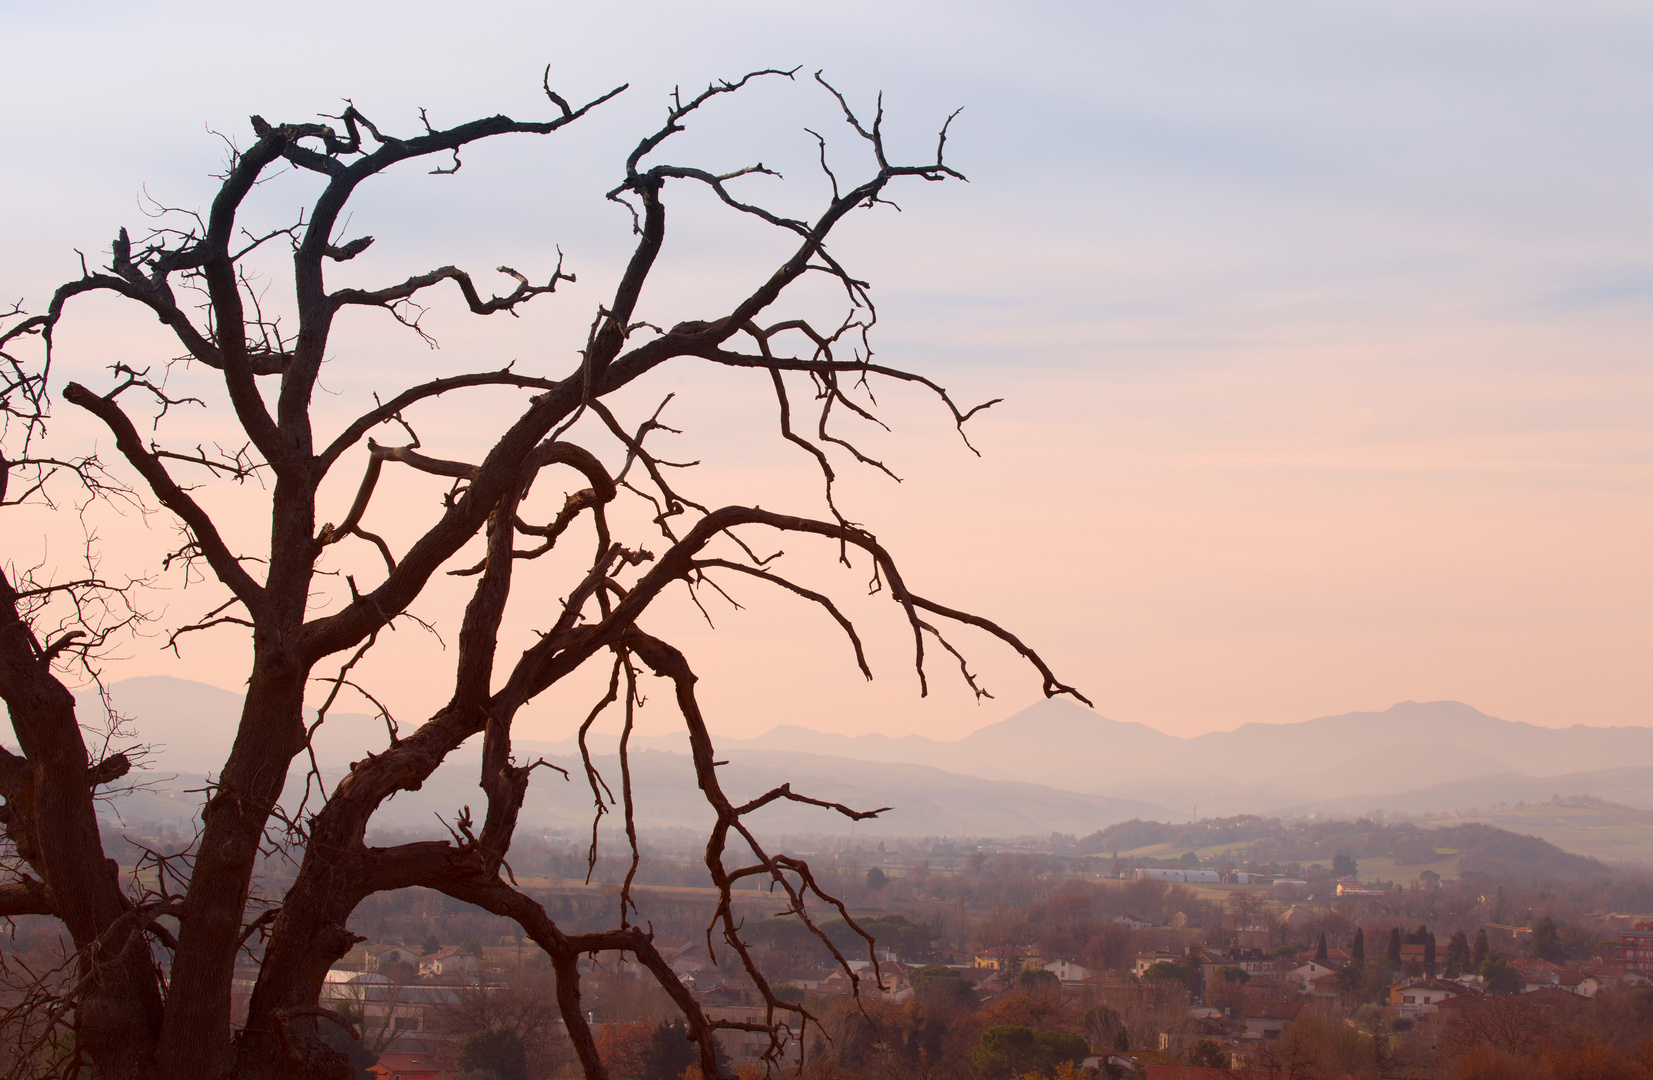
{"type": "Point", "coordinates": [1054, 767]}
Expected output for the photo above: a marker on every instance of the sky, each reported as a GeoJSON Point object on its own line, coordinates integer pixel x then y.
{"type": "Point", "coordinates": [1322, 329]}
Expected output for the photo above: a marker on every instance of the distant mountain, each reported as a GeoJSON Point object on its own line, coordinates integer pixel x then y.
{"type": "Point", "coordinates": [1364, 759]}
{"type": "Point", "coordinates": [1054, 766]}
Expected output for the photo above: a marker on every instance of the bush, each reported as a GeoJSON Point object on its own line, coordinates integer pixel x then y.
{"type": "Point", "coordinates": [497, 1053]}
{"type": "Point", "coordinates": [1010, 1050]}
{"type": "Point", "coordinates": [1208, 1054]}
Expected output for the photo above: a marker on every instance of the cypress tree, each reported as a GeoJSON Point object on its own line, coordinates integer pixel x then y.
{"type": "Point", "coordinates": [1429, 955]}
{"type": "Point", "coordinates": [1479, 956]}
{"type": "Point", "coordinates": [1320, 948]}
{"type": "Point", "coordinates": [1457, 954]}
{"type": "Point", "coordinates": [1394, 947]}
{"type": "Point", "coordinates": [1357, 951]}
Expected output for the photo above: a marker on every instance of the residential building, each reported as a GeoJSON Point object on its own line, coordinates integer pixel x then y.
{"type": "Point", "coordinates": [808, 978]}
{"type": "Point", "coordinates": [1419, 997]}
{"type": "Point", "coordinates": [1265, 1020]}
{"type": "Point", "coordinates": [1068, 971]}
{"type": "Point", "coordinates": [1015, 960]}
{"type": "Point", "coordinates": [380, 955]}
{"type": "Point", "coordinates": [1143, 961]}
{"type": "Point", "coordinates": [1345, 888]}
{"type": "Point", "coordinates": [450, 963]}
{"type": "Point", "coordinates": [1251, 960]}
{"type": "Point", "coordinates": [1636, 948]}
{"type": "Point", "coordinates": [1304, 972]}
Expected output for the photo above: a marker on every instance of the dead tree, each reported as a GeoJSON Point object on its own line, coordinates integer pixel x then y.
{"type": "Point", "coordinates": [148, 1001]}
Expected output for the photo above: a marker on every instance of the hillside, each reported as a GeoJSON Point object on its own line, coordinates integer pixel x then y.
{"type": "Point", "coordinates": [1469, 847]}
{"type": "Point", "coordinates": [1589, 826]}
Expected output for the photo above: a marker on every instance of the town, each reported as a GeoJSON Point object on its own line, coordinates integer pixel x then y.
{"type": "Point", "coordinates": [1023, 959]}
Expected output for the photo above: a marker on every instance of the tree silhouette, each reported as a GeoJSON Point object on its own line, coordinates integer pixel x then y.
{"type": "Point", "coordinates": [315, 582]}
{"type": "Point", "coordinates": [1357, 949]}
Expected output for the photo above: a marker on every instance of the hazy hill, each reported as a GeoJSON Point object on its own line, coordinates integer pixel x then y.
{"type": "Point", "coordinates": [1352, 763]}
{"type": "Point", "coordinates": [1069, 769]}
{"type": "Point", "coordinates": [1473, 846]}
{"type": "Point", "coordinates": [923, 801]}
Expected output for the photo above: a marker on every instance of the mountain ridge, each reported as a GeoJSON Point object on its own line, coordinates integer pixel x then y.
{"type": "Point", "coordinates": [1414, 757]}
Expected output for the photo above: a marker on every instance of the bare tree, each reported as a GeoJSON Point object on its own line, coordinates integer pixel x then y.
{"type": "Point", "coordinates": [150, 1002]}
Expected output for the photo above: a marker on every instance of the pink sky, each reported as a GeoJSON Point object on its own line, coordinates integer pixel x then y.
{"type": "Point", "coordinates": [1323, 336]}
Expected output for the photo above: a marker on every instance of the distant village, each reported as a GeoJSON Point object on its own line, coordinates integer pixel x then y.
{"type": "Point", "coordinates": [1222, 972]}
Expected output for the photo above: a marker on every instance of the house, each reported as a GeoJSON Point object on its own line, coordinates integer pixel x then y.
{"type": "Point", "coordinates": [1132, 922]}
{"type": "Point", "coordinates": [1324, 987]}
{"type": "Point", "coordinates": [1575, 981]}
{"type": "Point", "coordinates": [380, 955]}
{"type": "Point", "coordinates": [406, 1067]}
{"type": "Point", "coordinates": [1265, 1020]}
{"type": "Point", "coordinates": [1196, 1029]}
{"type": "Point", "coordinates": [1604, 975]}
{"type": "Point", "coordinates": [1345, 888]}
{"type": "Point", "coordinates": [691, 957]}
{"type": "Point", "coordinates": [1068, 971]}
{"type": "Point", "coordinates": [1419, 997]}
{"type": "Point", "coordinates": [1143, 961]}
{"type": "Point", "coordinates": [1304, 972]}
{"type": "Point", "coordinates": [1014, 960]}
{"type": "Point", "coordinates": [1251, 960]}
{"type": "Point", "coordinates": [449, 963]}
{"type": "Point", "coordinates": [1537, 974]}
{"type": "Point", "coordinates": [808, 978]}
{"type": "Point", "coordinates": [1552, 998]}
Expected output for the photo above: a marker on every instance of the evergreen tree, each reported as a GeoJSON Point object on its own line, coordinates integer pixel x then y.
{"type": "Point", "coordinates": [669, 1052]}
{"type": "Point", "coordinates": [1209, 1054]}
{"type": "Point", "coordinates": [1479, 956]}
{"type": "Point", "coordinates": [1457, 955]}
{"type": "Point", "coordinates": [1393, 955]}
{"type": "Point", "coordinates": [1545, 941]}
{"type": "Point", "coordinates": [1357, 950]}
{"type": "Point", "coordinates": [1320, 948]}
{"type": "Point", "coordinates": [497, 1052]}
{"type": "Point", "coordinates": [1429, 955]}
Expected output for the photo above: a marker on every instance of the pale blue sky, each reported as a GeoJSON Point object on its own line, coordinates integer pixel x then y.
{"type": "Point", "coordinates": [1324, 326]}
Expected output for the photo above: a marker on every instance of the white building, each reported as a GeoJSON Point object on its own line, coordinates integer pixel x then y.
{"type": "Point", "coordinates": [1203, 877]}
